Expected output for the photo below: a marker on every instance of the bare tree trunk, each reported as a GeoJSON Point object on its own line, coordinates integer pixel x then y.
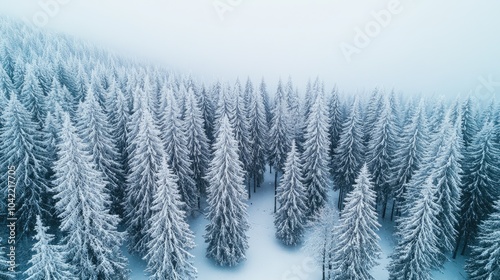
{"type": "Point", "coordinates": [275, 188]}
{"type": "Point", "coordinates": [457, 245]}
{"type": "Point", "coordinates": [393, 207]}
{"type": "Point", "coordinates": [384, 208]}
{"type": "Point", "coordinates": [466, 241]}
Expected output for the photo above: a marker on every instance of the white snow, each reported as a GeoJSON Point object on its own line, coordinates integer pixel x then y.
{"type": "Point", "coordinates": [268, 259]}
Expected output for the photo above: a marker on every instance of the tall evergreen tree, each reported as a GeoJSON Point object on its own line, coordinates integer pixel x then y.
{"type": "Point", "coordinates": [481, 180]}
{"type": "Point", "coordinates": [22, 147]}
{"type": "Point", "coordinates": [381, 148]}
{"type": "Point", "coordinates": [316, 157]}
{"type": "Point", "coordinates": [146, 151]}
{"type": "Point", "coordinates": [258, 137]}
{"type": "Point", "coordinates": [469, 122]}
{"type": "Point", "coordinates": [227, 211]}
{"type": "Point", "coordinates": [178, 157]}
{"type": "Point", "coordinates": [96, 132]}
{"type": "Point", "coordinates": [49, 260]}
{"type": "Point", "coordinates": [169, 234]}
{"type": "Point", "coordinates": [335, 115]}
{"type": "Point", "coordinates": [291, 216]}
{"type": "Point", "coordinates": [417, 251]}
{"type": "Point", "coordinates": [357, 250]}
{"type": "Point", "coordinates": [31, 95]}
{"type": "Point", "coordinates": [484, 263]}
{"type": "Point", "coordinates": [447, 175]}
{"type": "Point", "coordinates": [91, 237]}
{"type": "Point", "coordinates": [410, 152]}
{"type": "Point", "coordinates": [197, 141]}
{"type": "Point", "coordinates": [349, 154]}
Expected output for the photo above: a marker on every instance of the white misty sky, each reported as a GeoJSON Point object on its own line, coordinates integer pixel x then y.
{"type": "Point", "coordinates": [430, 47]}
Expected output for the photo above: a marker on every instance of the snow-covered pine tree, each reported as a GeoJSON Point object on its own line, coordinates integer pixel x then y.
{"type": "Point", "coordinates": [241, 126]}
{"type": "Point", "coordinates": [258, 137]}
{"type": "Point", "coordinates": [227, 211]}
{"type": "Point", "coordinates": [146, 151]}
{"type": "Point", "coordinates": [381, 148]}
{"type": "Point", "coordinates": [291, 217]}
{"type": "Point", "coordinates": [372, 112]}
{"type": "Point", "coordinates": [197, 141]}
{"type": "Point", "coordinates": [409, 155]}
{"type": "Point", "coordinates": [484, 262]}
{"type": "Point", "coordinates": [91, 237]}
{"type": "Point", "coordinates": [279, 138]}
{"type": "Point", "coordinates": [417, 251]}
{"type": "Point", "coordinates": [205, 99]}
{"type": "Point", "coordinates": [447, 175]}
{"type": "Point", "coordinates": [292, 100]}
{"type": "Point", "coordinates": [481, 180]}
{"type": "Point", "coordinates": [96, 132]}
{"type": "Point", "coordinates": [5, 82]}
{"type": "Point", "coordinates": [22, 148]}
{"type": "Point", "coordinates": [348, 157]}
{"type": "Point", "coordinates": [335, 114]}
{"type": "Point", "coordinates": [356, 249]}
{"type": "Point", "coordinates": [49, 261]}
{"type": "Point", "coordinates": [469, 122]}
{"type": "Point", "coordinates": [267, 100]}
{"type": "Point", "coordinates": [316, 156]}
{"type": "Point", "coordinates": [175, 137]}
{"type": "Point", "coordinates": [170, 238]}
{"type": "Point", "coordinates": [31, 95]}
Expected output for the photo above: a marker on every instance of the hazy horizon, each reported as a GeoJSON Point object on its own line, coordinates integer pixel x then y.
{"type": "Point", "coordinates": [446, 48]}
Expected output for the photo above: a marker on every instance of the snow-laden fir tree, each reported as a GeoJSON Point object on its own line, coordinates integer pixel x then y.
{"type": "Point", "coordinates": [316, 156]}
{"type": "Point", "coordinates": [409, 155]}
{"type": "Point", "coordinates": [197, 141]}
{"type": "Point", "coordinates": [481, 180]}
{"type": "Point", "coordinates": [226, 233]}
{"type": "Point", "coordinates": [335, 115]}
{"type": "Point", "coordinates": [91, 238]}
{"type": "Point", "coordinates": [49, 260]}
{"type": "Point", "coordinates": [292, 100]}
{"type": "Point", "coordinates": [280, 132]}
{"type": "Point", "coordinates": [267, 100]}
{"type": "Point", "coordinates": [348, 157]}
{"type": "Point", "coordinates": [145, 154]}
{"type": "Point", "coordinates": [357, 248]}
{"type": "Point", "coordinates": [371, 114]}
{"type": "Point", "coordinates": [31, 95]}
{"type": "Point", "coordinates": [469, 122]}
{"type": "Point", "coordinates": [175, 137]}
{"type": "Point", "coordinates": [241, 126]}
{"type": "Point", "coordinates": [96, 132]}
{"type": "Point", "coordinates": [381, 148]}
{"type": "Point", "coordinates": [205, 101]}
{"type": "Point", "coordinates": [5, 82]}
{"type": "Point", "coordinates": [484, 262]}
{"type": "Point", "coordinates": [279, 138]}
{"type": "Point", "coordinates": [258, 137]}
{"type": "Point", "coordinates": [447, 175]}
{"type": "Point", "coordinates": [291, 217]}
{"type": "Point", "coordinates": [417, 251]}
{"type": "Point", "coordinates": [170, 238]}
{"type": "Point", "coordinates": [22, 147]}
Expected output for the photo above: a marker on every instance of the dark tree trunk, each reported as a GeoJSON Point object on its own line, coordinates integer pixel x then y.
{"type": "Point", "coordinates": [459, 238]}
{"type": "Point", "coordinates": [275, 188]}
{"type": "Point", "coordinates": [384, 208]}
{"type": "Point", "coordinates": [393, 207]}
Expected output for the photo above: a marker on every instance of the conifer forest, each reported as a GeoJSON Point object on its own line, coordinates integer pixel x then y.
{"type": "Point", "coordinates": [112, 168]}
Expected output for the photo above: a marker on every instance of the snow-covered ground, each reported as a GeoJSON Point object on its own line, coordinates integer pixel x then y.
{"type": "Point", "coordinates": [268, 259]}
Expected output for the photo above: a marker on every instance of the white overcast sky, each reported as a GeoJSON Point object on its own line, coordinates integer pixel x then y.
{"type": "Point", "coordinates": [431, 47]}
